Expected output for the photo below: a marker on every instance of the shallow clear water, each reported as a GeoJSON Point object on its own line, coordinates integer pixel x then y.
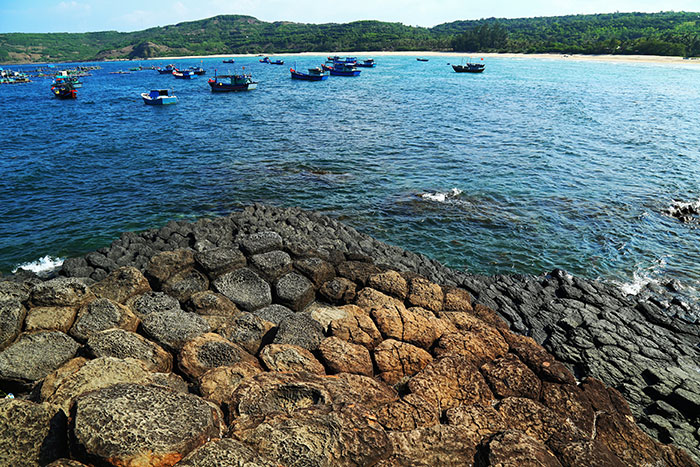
{"type": "Point", "coordinates": [532, 165]}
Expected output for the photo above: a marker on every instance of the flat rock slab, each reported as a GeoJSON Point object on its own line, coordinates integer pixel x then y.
{"type": "Point", "coordinates": [12, 315]}
{"type": "Point", "coordinates": [244, 288]}
{"type": "Point", "coordinates": [132, 424]}
{"type": "Point", "coordinates": [35, 355]}
{"type": "Point", "coordinates": [261, 242]}
{"type": "Point", "coordinates": [120, 343]}
{"type": "Point", "coordinates": [172, 329]}
{"type": "Point", "coordinates": [61, 291]}
{"type": "Point", "coordinates": [225, 452]}
{"type": "Point", "coordinates": [102, 314]}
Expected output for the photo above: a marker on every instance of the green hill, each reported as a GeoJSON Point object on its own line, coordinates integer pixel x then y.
{"type": "Point", "coordinates": [669, 33]}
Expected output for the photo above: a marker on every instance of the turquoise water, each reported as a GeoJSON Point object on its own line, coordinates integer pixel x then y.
{"type": "Point", "coordinates": [532, 165]}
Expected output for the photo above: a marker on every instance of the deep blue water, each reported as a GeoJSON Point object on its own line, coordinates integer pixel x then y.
{"type": "Point", "coordinates": [541, 163]}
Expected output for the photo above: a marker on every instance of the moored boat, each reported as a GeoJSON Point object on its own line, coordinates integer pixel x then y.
{"type": "Point", "coordinates": [264, 60]}
{"type": "Point", "coordinates": [276, 62]}
{"type": "Point", "coordinates": [184, 74]}
{"type": "Point", "coordinates": [230, 60]}
{"type": "Point", "coordinates": [64, 91]}
{"type": "Point", "coordinates": [314, 74]}
{"type": "Point", "coordinates": [469, 68]}
{"type": "Point", "coordinates": [369, 63]}
{"type": "Point", "coordinates": [422, 59]}
{"type": "Point", "coordinates": [227, 83]}
{"type": "Point", "coordinates": [197, 70]}
{"type": "Point", "coordinates": [159, 97]}
{"type": "Point", "coordinates": [344, 69]}
{"type": "Point", "coordinates": [166, 70]}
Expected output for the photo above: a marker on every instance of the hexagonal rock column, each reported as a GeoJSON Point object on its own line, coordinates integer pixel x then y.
{"type": "Point", "coordinates": [295, 291]}
{"type": "Point", "coordinates": [134, 425]}
{"type": "Point", "coordinates": [244, 288]}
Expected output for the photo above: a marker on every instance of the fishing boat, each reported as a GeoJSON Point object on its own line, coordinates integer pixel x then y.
{"type": "Point", "coordinates": [264, 60]}
{"type": "Point", "coordinates": [422, 59]}
{"type": "Point", "coordinates": [197, 70]}
{"type": "Point", "coordinates": [469, 68]}
{"type": "Point", "coordinates": [227, 83]}
{"type": "Point", "coordinates": [64, 91]}
{"type": "Point", "coordinates": [64, 79]}
{"type": "Point", "coordinates": [369, 63]}
{"type": "Point", "coordinates": [184, 74]}
{"type": "Point", "coordinates": [166, 70]}
{"type": "Point", "coordinates": [276, 62]}
{"type": "Point", "coordinates": [230, 60]}
{"type": "Point", "coordinates": [159, 97]}
{"type": "Point", "coordinates": [314, 74]}
{"type": "Point", "coordinates": [344, 69]}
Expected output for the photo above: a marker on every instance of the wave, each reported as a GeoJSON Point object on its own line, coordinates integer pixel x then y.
{"type": "Point", "coordinates": [642, 277]}
{"type": "Point", "coordinates": [42, 266]}
{"type": "Point", "coordinates": [442, 197]}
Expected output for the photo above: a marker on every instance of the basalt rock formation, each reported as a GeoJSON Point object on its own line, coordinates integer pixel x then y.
{"type": "Point", "coordinates": [281, 337]}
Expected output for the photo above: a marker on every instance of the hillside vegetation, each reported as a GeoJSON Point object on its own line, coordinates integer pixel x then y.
{"type": "Point", "coordinates": [669, 33]}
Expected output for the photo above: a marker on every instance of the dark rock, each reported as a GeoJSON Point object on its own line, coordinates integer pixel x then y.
{"type": "Point", "coordinates": [121, 285]}
{"type": "Point", "coordinates": [120, 343]}
{"type": "Point", "coordinates": [172, 329]}
{"type": "Point", "coordinates": [183, 284]}
{"type": "Point", "coordinates": [300, 330]}
{"type": "Point", "coordinates": [261, 242]}
{"type": "Point", "coordinates": [294, 291]}
{"type": "Point", "coordinates": [31, 434]}
{"type": "Point", "coordinates": [153, 303]}
{"type": "Point", "coordinates": [338, 290]}
{"type": "Point", "coordinates": [165, 265]}
{"type": "Point", "coordinates": [60, 292]}
{"type": "Point", "coordinates": [244, 288]}
{"type": "Point", "coordinates": [357, 271]}
{"type": "Point", "coordinates": [76, 267]}
{"type": "Point", "coordinates": [272, 265]}
{"type": "Point", "coordinates": [246, 330]}
{"type": "Point", "coordinates": [218, 261]}
{"type": "Point", "coordinates": [316, 269]}
{"type": "Point", "coordinates": [130, 423]}
{"type": "Point", "coordinates": [102, 314]}
{"type": "Point", "coordinates": [273, 313]}
{"type": "Point", "coordinates": [35, 355]}
{"type": "Point", "coordinates": [12, 315]}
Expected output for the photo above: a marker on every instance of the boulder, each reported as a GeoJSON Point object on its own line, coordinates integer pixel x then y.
{"type": "Point", "coordinates": [261, 242]}
{"type": "Point", "coordinates": [12, 315]}
{"type": "Point", "coordinates": [457, 300]}
{"type": "Point", "coordinates": [509, 377]}
{"type": "Point", "coordinates": [225, 452]}
{"type": "Point", "coordinates": [514, 448]}
{"type": "Point", "coordinates": [338, 290]}
{"type": "Point", "coordinates": [34, 355]}
{"type": "Point", "coordinates": [479, 344]}
{"type": "Point", "coordinates": [356, 328]}
{"type": "Point", "coordinates": [208, 351]}
{"type": "Point", "coordinates": [50, 318]}
{"type": "Point", "coordinates": [369, 300]}
{"type": "Point", "coordinates": [326, 314]}
{"type": "Point", "coordinates": [218, 261]}
{"type": "Point", "coordinates": [483, 420]}
{"type": "Point", "coordinates": [121, 285]}
{"type": "Point", "coordinates": [294, 291]}
{"type": "Point", "coordinates": [301, 330]}
{"type": "Point", "coordinates": [290, 358]}
{"type": "Point", "coordinates": [61, 291]}
{"type": "Point", "coordinates": [165, 265]}
{"type": "Point", "coordinates": [183, 284]}
{"type": "Point", "coordinates": [246, 330]}
{"type": "Point", "coordinates": [132, 424]}
{"type": "Point", "coordinates": [120, 343]}
{"type": "Point", "coordinates": [244, 288]}
{"type": "Point", "coordinates": [425, 294]}
{"type": "Point", "coordinates": [390, 283]}
{"type": "Point", "coordinates": [31, 434]}
{"type": "Point", "coordinates": [152, 303]}
{"type": "Point", "coordinates": [358, 272]}
{"type": "Point", "coordinates": [271, 265]}
{"type": "Point", "coordinates": [431, 446]}
{"type": "Point", "coordinates": [209, 303]}
{"type": "Point", "coordinates": [408, 413]}
{"type": "Point", "coordinates": [219, 384]}
{"type": "Point", "coordinates": [450, 382]}
{"type": "Point", "coordinates": [396, 360]}
{"type": "Point", "coordinates": [11, 290]}
{"type": "Point", "coordinates": [172, 329]}
{"type": "Point", "coordinates": [529, 417]}
{"type": "Point", "coordinates": [340, 356]}
{"type": "Point", "coordinates": [316, 269]}
{"type": "Point", "coordinates": [102, 314]}
{"type": "Point", "coordinates": [541, 362]}
{"type": "Point", "coordinates": [415, 326]}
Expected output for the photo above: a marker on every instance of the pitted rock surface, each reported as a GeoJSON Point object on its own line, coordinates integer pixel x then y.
{"type": "Point", "coordinates": [122, 344]}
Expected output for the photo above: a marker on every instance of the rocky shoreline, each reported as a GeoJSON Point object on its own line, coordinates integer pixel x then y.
{"type": "Point", "coordinates": [356, 336]}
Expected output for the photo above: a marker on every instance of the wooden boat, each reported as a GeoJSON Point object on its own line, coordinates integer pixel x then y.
{"type": "Point", "coordinates": [469, 68]}
{"type": "Point", "coordinates": [230, 60]}
{"type": "Point", "coordinates": [159, 97]}
{"type": "Point", "coordinates": [64, 91]}
{"type": "Point", "coordinates": [314, 74]}
{"type": "Point", "coordinates": [227, 83]}
{"type": "Point", "coordinates": [369, 63]}
{"type": "Point", "coordinates": [72, 80]}
{"type": "Point", "coordinates": [422, 59]}
{"type": "Point", "coordinates": [264, 60]}
{"type": "Point", "coordinates": [197, 70]}
{"type": "Point", "coordinates": [184, 74]}
{"type": "Point", "coordinates": [276, 62]}
{"type": "Point", "coordinates": [344, 69]}
{"type": "Point", "coordinates": [166, 70]}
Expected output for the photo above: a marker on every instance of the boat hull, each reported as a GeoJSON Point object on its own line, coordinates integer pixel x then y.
{"type": "Point", "coordinates": [345, 73]}
{"type": "Point", "coordinates": [468, 69]}
{"type": "Point", "coordinates": [308, 77]}
{"type": "Point", "coordinates": [162, 100]}
{"type": "Point", "coordinates": [64, 93]}
{"type": "Point", "coordinates": [224, 87]}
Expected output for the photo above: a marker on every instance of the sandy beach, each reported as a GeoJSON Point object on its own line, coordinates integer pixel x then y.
{"type": "Point", "coordinates": [600, 58]}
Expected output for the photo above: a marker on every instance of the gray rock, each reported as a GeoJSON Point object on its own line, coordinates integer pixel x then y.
{"type": "Point", "coordinates": [12, 315]}
{"type": "Point", "coordinates": [272, 265]}
{"type": "Point", "coordinates": [10, 290]}
{"type": "Point", "coordinates": [218, 261]}
{"type": "Point", "coordinates": [185, 283]}
{"type": "Point", "coordinates": [261, 242]}
{"type": "Point", "coordinates": [316, 269]}
{"type": "Point", "coordinates": [31, 434]}
{"type": "Point", "coordinates": [120, 343]}
{"type": "Point", "coordinates": [295, 291]}
{"type": "Point", "coordinates": [172, 329]}
{"type": "Point", "coordinates": [99, 315]}
{"type": "Point", "coordinates": [246, 330]}
{"type": "Point", "coordinates": [225, 452]}
{"type": "Point", "coordinates": [153, 303]}
{"type": "Point", "coordinates": [273, 313]}
{"type": "Point", "coordinates": [244, 288]}
{"type": "Point", "coordinates": [133, 424]}
{"type": "Point", "coordinates": [61, 291]}
{"type": "Point", "coordinates": [300, 330]}
{"type": "Point", "coordinates": [35, 355]}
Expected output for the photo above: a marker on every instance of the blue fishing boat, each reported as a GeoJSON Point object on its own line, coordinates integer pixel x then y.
{"type": "Point", "coordinates": [166, 70]}
{"type": "Point", "coordinates": [184, 74]}
{"type": "Point", "coordinates": [230, 60]}
{"type": "Point", "coordinates": [227, 83]}
{"type": "Point", "coordinates": [276, 62]}
{"type": "Point", "coordinates": [159, 97]}
{"type": "Point", "coordinates": [314, 74]}
{"type": "Point", "coordinates": [197, 70]}
{"type": "Point", "coordinates": [64, 91]}
{"type": "Point", "coordinates": [264, 60]}
{"type": "Point", "coordinates": [369, 63]}
{"type": "Point", "coordinates": [343, 69]}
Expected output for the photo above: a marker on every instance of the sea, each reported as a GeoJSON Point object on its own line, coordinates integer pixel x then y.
{"type": "Point", "coordinates": [534, 164]}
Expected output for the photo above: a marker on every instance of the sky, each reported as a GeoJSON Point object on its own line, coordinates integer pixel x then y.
{"type": "Point", "coordinates": [134, 15]}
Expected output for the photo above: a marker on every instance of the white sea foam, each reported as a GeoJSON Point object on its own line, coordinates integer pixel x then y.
{"type": "Point", "coordinates": [41, 266]}
{"type": "Point", "coordinates": [442, 197]}
{"type": "Point", "coordinates": [643, 277]}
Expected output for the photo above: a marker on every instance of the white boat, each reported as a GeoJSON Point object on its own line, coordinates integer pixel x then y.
{"type": "Point", "coordinates": [159, 97]}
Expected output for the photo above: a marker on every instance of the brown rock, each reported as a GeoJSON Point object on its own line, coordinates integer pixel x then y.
{"type": "Point", "coordinates": [324, 314]}
{"type": "Point", "coordinates": [370, 299]}
{"type": "Point", "coordinates": [425, 294]}
{"type": "Point", "coordinates": [408, 413]}
{"type": "Point", "coordinates": [225, 452]}
{"type": "Point", "coordinates": [490, 317]}
{"type": "Point", "coordinates": [66, 463]}
{"type": "Point", "coordinates": [209, 303]}
{"type": "Point", "coordinates": [390, 283]}
{"type": "Point", "coordinates": [530, 417]}
{"type": "Point", "coordinates": [538, 359]}
{"type": "Point", "coordinates": [102, 314]}
{"type": "Point", "coordinates": [165, 265]}
{"type": "Point", "coordinates": [120, 343]}
{"type": "Point", "coordinates": [50, 318]}
{"type": "Point", "coordinates": [316, 269]}
{"type": "Point", "coordinates": [482, 420]}
{"type": "Point", "coordinates": [61, 291]}
{"type": "Point", "coordinates": [478, 342]}
{"type": "Point", "coordinates": [588, 453]}
{"type": "Point", "coordinates": [513, 448]}
{"type": "Point", "coordinates": [209, 351]}
{"type": "Point", "coordinates": [457, 300]}
{"type": "Point", "coordinates": [340, 356]}
{"type": "Point", "coordinates": [449, 382]}
{"type": "Point", "coordinates": [218, 385]}
{"type": "Point", "coordinates": [432, 446]}
{"type": "Point", "coordinates": [246, 330]}
{"type": "Point", "coordinates": [569, 401]}
{"type": "Point", "coordinates": [416, 326]}
{"type": "Point", "coordinates": [290, 358]}
{"type": "Point", "coordinates": [509, 377]}
{"type": "Point", "coordinates": [358, 328]}
{"type": "Point", "coordinates": [338, 290]}
{"type": "Point", "coordinates": [357, 271]}
{"type": "Point", "coordinates": [397, 360]}
{"type": "Point", "coordinates": [349, 389]}
{"type": "Point", "coordinates": [121, 285]}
